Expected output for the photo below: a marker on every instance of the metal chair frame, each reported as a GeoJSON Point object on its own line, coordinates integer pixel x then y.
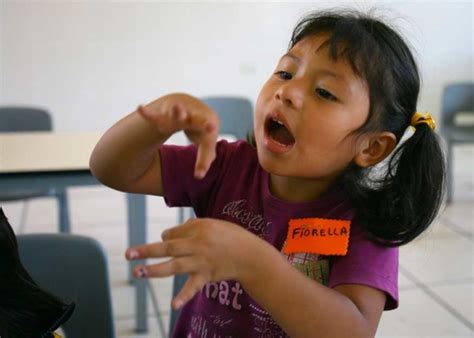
{"type": "Point", "coordinates": [457, 98]}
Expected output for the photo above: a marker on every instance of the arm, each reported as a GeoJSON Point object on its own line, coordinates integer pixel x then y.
{"type": "Point", "coordinates": [126, 158]}
{"type": "Point", "coordinates": [301, 305]}
{"type": "Point", "coordinates": [214, 250]}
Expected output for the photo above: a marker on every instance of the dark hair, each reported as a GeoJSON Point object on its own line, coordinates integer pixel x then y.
{"type": "Point", "coordinates": [398, 205]}
{"type": "Point", "coordinates": [26, 310]}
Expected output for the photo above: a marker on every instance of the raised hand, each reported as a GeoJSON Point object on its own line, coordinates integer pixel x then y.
{"type": "Point", "coordinates": [175, 112]}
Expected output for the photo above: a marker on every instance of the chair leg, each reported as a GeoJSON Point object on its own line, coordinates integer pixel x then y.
{"type": "Point", "coordinates": [136, 205]}
{"type": "Point", "coordinates": [178, 283]}
{"type": "Point", "coordinates": [63, 207]}
{"type": "Point", "coordinates": [184, 213]}
{"type": "Point", "coordinates": [449, 174]}
{"type": "Point", "coordinates": [156, 308]}
{"type": "Point", "coordinates": [24, 212]}
{"type": "Point", "coordinates": [180, 215]}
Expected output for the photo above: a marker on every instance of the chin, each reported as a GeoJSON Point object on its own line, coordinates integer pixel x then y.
{"type": "Point", "coordinates": [273, 166]}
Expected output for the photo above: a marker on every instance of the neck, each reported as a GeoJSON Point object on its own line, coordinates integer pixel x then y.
{"type": "Point", "coordinates": [297, 190]}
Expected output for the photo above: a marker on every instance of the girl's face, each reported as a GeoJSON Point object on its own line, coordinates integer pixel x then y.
{"type": "Point", "coordinates": [306, 112]}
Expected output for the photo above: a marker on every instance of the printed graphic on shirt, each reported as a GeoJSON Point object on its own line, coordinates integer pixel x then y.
{"type": "Point", "coordinates": [242, 212]}
{"type": "Point", "coordinates": [205, 327]}
{"type": "Point", "coordinates": [312, 265]}
{"type": "Point", "coordinates": [225, 294]}
{"type": "Point", "coordinates": [265, 326]}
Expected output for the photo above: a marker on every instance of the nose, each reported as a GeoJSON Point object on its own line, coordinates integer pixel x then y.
{"type": "Point", "coordinates": [291, 93]}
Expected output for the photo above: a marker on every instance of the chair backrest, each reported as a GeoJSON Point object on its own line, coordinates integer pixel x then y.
{"type": "Point", "coordinates": [236, 114]}
{"type": "Point", "coordinates": [15, 119]}
{"type": "Point", "coordinates": [74, 268]}
{"type": "Point", "coordinates": [457, 97]}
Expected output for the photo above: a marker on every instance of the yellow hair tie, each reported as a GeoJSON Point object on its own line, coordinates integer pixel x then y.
{"type": "Point", "coordinates": [418, 118]}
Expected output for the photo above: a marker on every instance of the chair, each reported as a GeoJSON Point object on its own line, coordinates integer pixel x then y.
{"type": "Point", "coordinates": [25, 119]}
{"type": "Point", "coordinates": [236, 117]}
{"type": "Point", "coordinates": [74, 268]}
{"type": "Point", "coordinates": [235, 113]}
{"type": "Point", "coordinates": [457, 98]}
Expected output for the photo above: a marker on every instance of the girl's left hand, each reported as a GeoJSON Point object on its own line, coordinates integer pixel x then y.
{"type": "Point", "coordinates": [209, 250]}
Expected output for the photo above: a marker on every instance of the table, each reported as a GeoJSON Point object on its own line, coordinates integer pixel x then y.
{"type": "Point", "coordinates": [48, 160]}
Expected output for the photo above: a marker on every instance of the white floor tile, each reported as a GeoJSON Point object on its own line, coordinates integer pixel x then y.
{"type": "Point", "coordinates": [460, 297]}
{"type": "Point", "coordinates": [460, 215]}
{"type": "Point", "coordinates": [433, 259]}
{"type": "Point", "coordinates": [420, 317]}
{"type": "Point", "coordinates": [438, 229]}
{"type": "Point", "coordinates": [404, 283]}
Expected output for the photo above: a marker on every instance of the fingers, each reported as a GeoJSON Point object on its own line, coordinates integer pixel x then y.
{"type": "Point", "coordinates": [185, 230]}
{"type": "Point", "coordinates": [205, 156]}
{"type": "Point", "coordinates": [171, 248]}
{"type": "Point", "coordinates": [200, 123]}
{"type": "Point", "coordinates": [145, 112]}
{"type": "Point", "coordinates": [181, 118]}
{"type": "Point", "coordinates": [193, 285]}
{"type": "Point", "coordinates": [175, 266]}
{"type": "Point", "coordinates": [165, 121]}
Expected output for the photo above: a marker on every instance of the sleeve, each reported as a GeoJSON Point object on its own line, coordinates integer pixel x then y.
{"type": "Point", "coordinates": [180, 187]}
{"type": "Point", "coordinates": [367, 263]}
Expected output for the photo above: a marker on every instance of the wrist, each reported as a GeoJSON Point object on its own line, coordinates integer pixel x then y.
{"type": "Point", "coordinates": [255, 260]}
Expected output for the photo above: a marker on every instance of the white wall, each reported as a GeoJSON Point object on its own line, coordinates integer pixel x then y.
{"type": "Point", "coordinates": [91, 62]}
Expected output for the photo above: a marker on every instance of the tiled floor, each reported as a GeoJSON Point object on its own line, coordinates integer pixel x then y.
{"type": "Point", "coordinates": [436, 275]}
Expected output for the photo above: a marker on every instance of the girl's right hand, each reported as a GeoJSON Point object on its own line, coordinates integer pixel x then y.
{"type": "Point", "coordinates": [175, 112]}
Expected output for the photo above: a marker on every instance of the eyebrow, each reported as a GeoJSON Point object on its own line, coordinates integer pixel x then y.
{"type": "Point", "coordinates": [321, 72]}
{"type": "Point", "coordinates": [291, 56]}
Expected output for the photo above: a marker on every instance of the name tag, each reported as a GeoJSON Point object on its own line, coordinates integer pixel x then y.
{"type": "Point", "coordinates": [318, 235]}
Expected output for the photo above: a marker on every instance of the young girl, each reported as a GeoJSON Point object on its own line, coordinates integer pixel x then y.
{"type": "Point", "coordinates": [293, 236]}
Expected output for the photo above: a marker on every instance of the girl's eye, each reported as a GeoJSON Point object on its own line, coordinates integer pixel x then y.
{"type": "Point", "coordinates": [284, 75]}
{"type": "Point", "coordinates": [325, 94]}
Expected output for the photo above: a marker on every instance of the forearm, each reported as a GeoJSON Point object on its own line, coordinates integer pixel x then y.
{"type": "Point", "coordinates": [126, 151]}
{"type": "Point", "coordinates": [301, 306]}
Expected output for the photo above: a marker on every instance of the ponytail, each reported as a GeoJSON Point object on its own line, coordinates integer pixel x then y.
{"type": "Point", "coordinates": [398, 207]}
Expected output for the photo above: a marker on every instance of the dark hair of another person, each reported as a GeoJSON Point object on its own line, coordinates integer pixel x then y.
{"type": "Point", "coordinates": [399, 204]}
{"type": "Point", "coordinates": [26, 310]}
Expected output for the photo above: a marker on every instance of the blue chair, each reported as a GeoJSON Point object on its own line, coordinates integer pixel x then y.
{"type": "Point", "coordinates": [27, 119]}
{"type": "Point", "coordinates": [74, 268]}
{"type": "Point", "coordinates": [235, 113]}
{"type": "Point", "coordinates": [457, 98]}
{"type": "Point", "coordinates": [236, 116]}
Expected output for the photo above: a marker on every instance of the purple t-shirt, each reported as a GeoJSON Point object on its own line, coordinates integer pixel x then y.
{"type": "Point", "coordinates": [236, 189]}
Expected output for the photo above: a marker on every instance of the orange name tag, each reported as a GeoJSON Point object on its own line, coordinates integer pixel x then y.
{"type": "Point", "coordinates": [318, 235]}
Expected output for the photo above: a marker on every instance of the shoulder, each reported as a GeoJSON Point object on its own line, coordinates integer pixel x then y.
{"type": "Point", "coordinates": [239, 147]}
{"type": "Point", "coordinates": [367, 263]}
{"type": "Point", "coordinates": [235, 155]}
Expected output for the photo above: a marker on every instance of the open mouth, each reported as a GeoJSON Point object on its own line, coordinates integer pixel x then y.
{"type": "Point", "coordinates": [278, 132]}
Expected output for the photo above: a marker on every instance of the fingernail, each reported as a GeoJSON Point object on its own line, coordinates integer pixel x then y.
{"type": "Point", "coordinates": [142, 272]}
{"type": "Point", "coordinates": [209, 126]}
{"type": "Point", "coordinates": [142, 109]}
{"type": "Point", "coordinates": [178, 304]}
{"type": "Point", "coordinates": [200, 174]}
{"type": "Point", "coordinates": [132, 254]}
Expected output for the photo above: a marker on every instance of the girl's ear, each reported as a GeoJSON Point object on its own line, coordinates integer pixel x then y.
{"type": "Point", "coordinates": [375, 148]}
